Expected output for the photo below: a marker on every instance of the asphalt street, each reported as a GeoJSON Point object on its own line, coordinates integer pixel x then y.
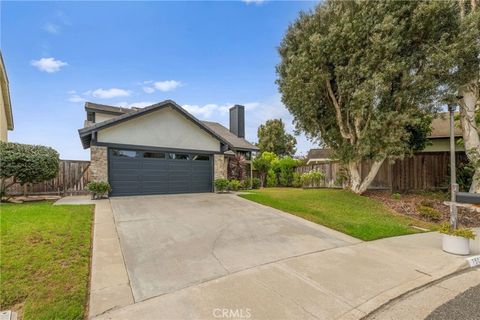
{"type": "Point", "coordinates": [465, 306]}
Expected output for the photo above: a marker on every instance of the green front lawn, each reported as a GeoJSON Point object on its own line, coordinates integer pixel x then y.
{"type": "Point", "coordinates": [45, 259]}
{"type": "Point", "coordinates": [355, 215]}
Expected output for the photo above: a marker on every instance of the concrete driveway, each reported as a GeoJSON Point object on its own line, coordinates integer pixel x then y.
{"type": "Point", "coordinates": [171, 242]}
{"type": "Point", "coordinates": [209, 256]}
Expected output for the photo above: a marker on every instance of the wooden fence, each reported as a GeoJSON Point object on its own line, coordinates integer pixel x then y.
{"type": "Point", "coordinates": [422, 171]}
{"type": "Point", "coordinates": [72, 177]}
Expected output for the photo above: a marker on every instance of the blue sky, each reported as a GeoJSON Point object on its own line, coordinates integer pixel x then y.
{"type": "Point", "coordinates": [205, 56]}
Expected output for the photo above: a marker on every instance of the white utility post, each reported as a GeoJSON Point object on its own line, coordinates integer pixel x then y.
{"type": "Point", "coordinates": [453, 173]}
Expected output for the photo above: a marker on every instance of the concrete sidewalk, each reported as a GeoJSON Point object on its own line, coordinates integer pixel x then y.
{"type": "Point", "coordinates": [340, 283]}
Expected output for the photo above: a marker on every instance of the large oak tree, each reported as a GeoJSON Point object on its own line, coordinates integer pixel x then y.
{"type": "Point", "coordinates": [357, 74]}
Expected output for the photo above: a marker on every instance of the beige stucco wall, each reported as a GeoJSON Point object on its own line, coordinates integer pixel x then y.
{"type": "Point", "coordinates": [100, 117]}
{"type": "Point", "coordinates": [442, 145]}
{"type": "Point", "coordinates": [165, 128]}
{"type": "Point", "coordinates": [98, 163]}
{"type": "Point", "coordinates": [3, 119]}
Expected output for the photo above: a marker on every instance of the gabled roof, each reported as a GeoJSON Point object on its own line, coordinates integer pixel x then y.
{"type": "Point", "coordinates": [236, 142]}
{"type": "Point", "coordinates": [124, 114]}
{"type": "Point", "coordinates": [86, 133]}
{"type": "Point", "coordinates": [319, 154]}
{"type": "Point", "coordinates": [6, 94]}
{"type": "Point", "coordinates": [106, 109]}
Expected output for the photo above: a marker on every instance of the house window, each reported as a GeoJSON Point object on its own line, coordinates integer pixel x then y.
{"type": "Point", "coordinates": [126, 153]}
{"type": "Point", "coordinates": [201, 157]}
{"type": "Point", "coordinates": [179, 156]}
{"type": "Point", "coordinates": [155, 155]}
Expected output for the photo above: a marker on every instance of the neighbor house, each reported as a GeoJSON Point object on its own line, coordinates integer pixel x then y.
{"type": "Point", "coordinates": [317, 156]}
{"type": "Point", "coordinates": [6, 115]}
{"type": "Point", "coordinates": [438, 141]}
{"type": "Point", "coordinates": [439, 138]}
{"type": "Point", "coordinates": [161, 148]}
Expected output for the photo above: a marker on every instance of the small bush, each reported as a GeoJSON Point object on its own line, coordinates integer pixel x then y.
{"type": "Point", "coordinates": [234, 185]}
{"type": "Point", "coordinates": [221, 185]}
{"type": "Point", "coordinates": [297, 180]}
{"type": "Point", "coordinates": [285, 168]}
{"type": "Point", "coordinates": [271, 178]}
{"type": "Point", "coordinates": [24, 163]}
{"type": "Point", "coordinates": [313, 178]}
{"type": "Point", "coordinates": [396, 196]}
{"type": "Point", "coordinates": [98, 189]}
{"type": "Point", "coordinates": [427, 203]}
{"type": "Point", "coordinates": [460, 232]}
{"type": "Point", "coordinates": [256, 183]}
{"type": "Point", "coordinates": [245, 184]}
{"type": "Point", "coordinates": [429, 213]}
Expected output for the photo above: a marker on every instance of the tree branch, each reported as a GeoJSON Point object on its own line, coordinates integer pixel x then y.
{"type": "Point", "coordinates": [338, 112]}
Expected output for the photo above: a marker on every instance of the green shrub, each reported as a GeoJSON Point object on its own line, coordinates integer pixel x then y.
{"type": "Point", "coordinates": [256, 183]}
{"type": "Point", "coordinates": [297, 180]}
{"type": "Point", "coordinates": [98, 188]}
{"type": "Point", "coordinates": [427, 203]}
{"type": "Point", "coordinates": [221, 185]}
{"type": "Point", "coordinates": [271, 179]}
{"type": "Point", "coordinates": [234, 185]}
{"type": "Point", "coordinates": [263, 163]}
{"type": "Point", "coordinates": [245, 184]}
{"type": "Point", "coordinates": [396, 196]}
{"type": "Point", "coordinates": [25, 163]}
{"type": "Point", "coordinates": [285, 168]}
{"type": "Point", "coordinates": [313, 178]}
{"type": "Point", "coordinates": [429, 213]}
{"type": "Point", "coordinates": [460, 232]}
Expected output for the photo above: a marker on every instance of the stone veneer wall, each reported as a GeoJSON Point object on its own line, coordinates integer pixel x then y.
{"type": "Point", "coordinates": [99, 163]}
{"type": "Point", "coordinates": [219, 167]}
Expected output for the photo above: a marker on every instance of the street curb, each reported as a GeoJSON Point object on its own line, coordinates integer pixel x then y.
{"type": "Point", "coordinates": [464, 268]}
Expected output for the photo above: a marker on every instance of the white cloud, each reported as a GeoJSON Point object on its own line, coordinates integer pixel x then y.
{"type": "Point", "coordinates": [51, 28]}
{"type": "Point", "coordinates": [49, 65]}
{"type": "Point", "coordinates": [139, 104]}
{"type": "Point", "coordinates": [164, 86]}
{"type": "Point", "coordinates": [109, 93]}
{"type": "Point", "coordinates": [205, 111]}
{"type": "Point", "coordinates": [148, 89]}
{"type": "Point", "coordinates": [76, 98]}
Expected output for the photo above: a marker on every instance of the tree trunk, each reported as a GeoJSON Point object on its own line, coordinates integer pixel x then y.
{"type": "Point", "coordinates": [356, 184]}
{"type": "Point", "coordinates": [471, 137]}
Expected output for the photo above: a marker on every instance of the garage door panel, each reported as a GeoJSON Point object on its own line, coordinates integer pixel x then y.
{"type": "Point", "coordinates": [155, 164]}
{"type": "Point", "coordinates": [118, 176]}
{"type": "Point", "coordinates": [156, 177]}
{"type": "Point", "coordinates": [149, 172]}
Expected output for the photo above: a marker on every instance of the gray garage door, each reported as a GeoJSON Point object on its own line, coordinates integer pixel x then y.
{"type": "Point", "coordinates": [136, 172]}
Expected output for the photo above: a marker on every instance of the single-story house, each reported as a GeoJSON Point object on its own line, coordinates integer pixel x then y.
{"type": "Point", "coordinates": [161, 148]}
{"type": "Point", "coordinates": [6, 114]}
